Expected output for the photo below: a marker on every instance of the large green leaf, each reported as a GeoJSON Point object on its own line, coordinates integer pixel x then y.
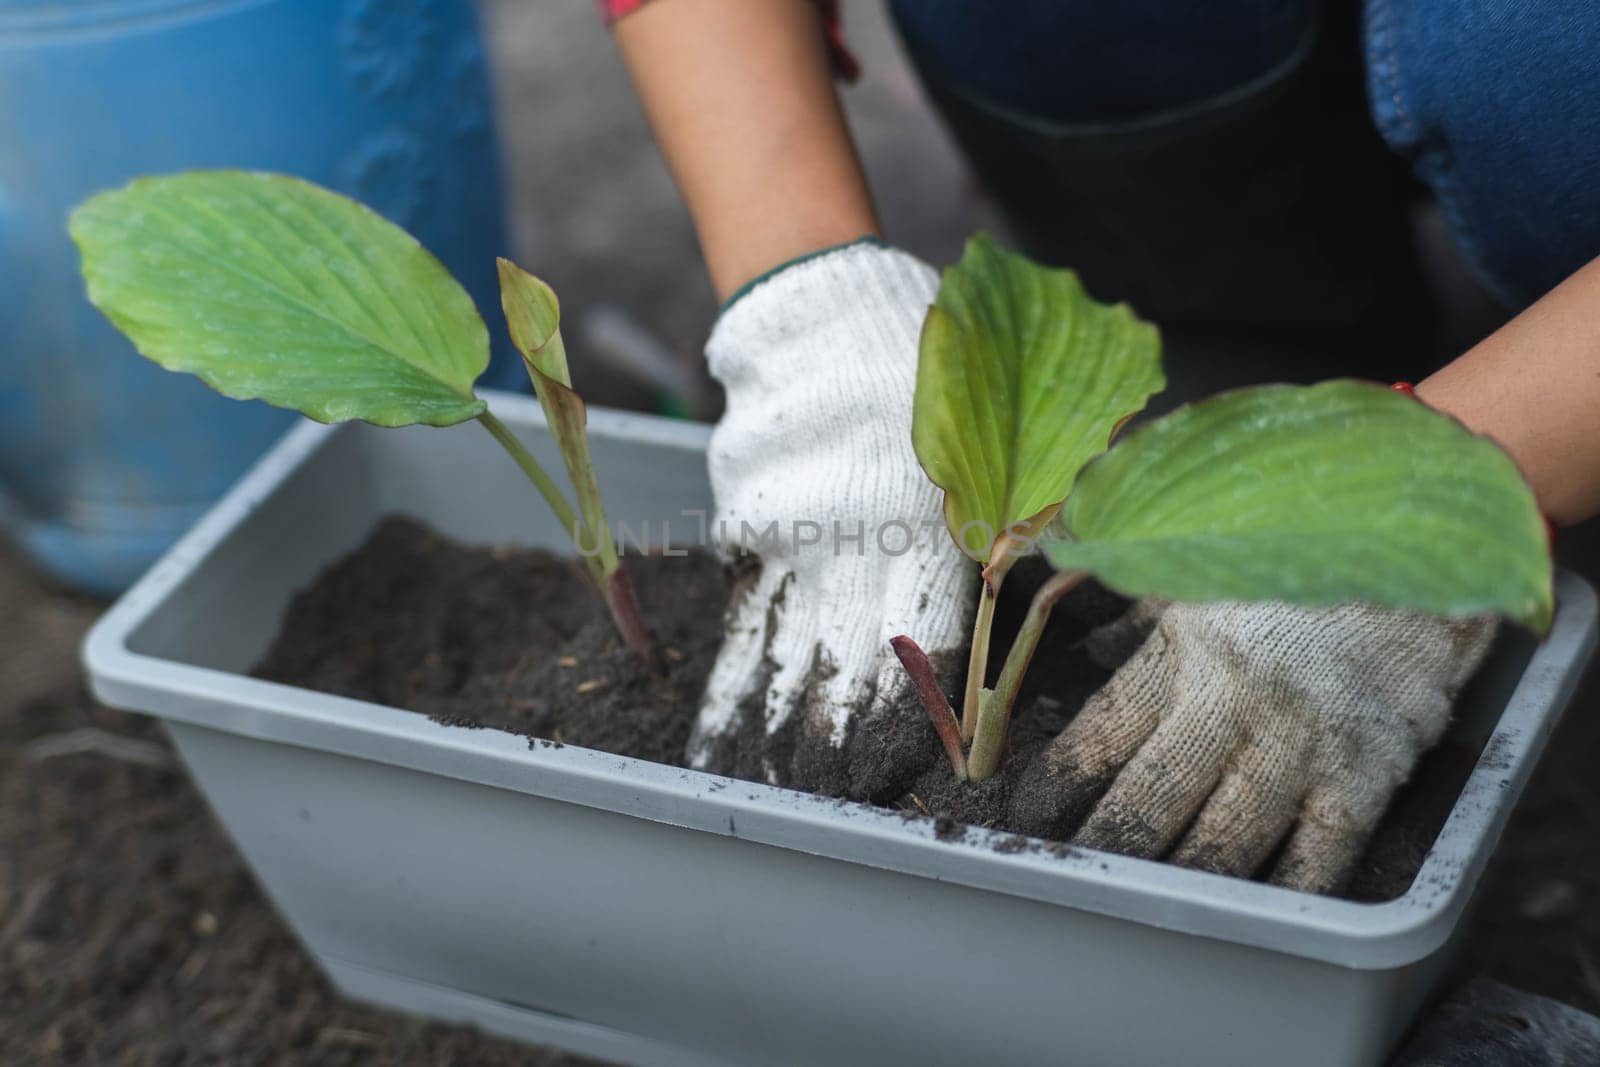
{"type": "Point", "coordinates": [1022, 378]}
{"type": "Point", "coordinates": [1316, 495]}
{"type": "Point", "coordinates": [271, 288]}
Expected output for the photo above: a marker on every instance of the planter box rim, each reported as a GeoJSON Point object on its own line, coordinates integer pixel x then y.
{"type": "Point", "coordinates": [1345, 933]}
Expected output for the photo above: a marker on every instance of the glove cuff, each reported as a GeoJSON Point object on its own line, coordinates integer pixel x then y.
{"type": "Point", "coordinates": [862, 289]}
{"type": "Point", "coordinates": [865, 240]}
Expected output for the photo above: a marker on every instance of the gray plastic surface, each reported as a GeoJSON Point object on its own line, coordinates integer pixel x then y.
{"type": "Point", "coordinates": [654, 915]}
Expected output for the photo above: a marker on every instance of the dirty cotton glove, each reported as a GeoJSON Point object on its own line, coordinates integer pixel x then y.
{"type": "Point", "coordinates": [1234, 724]}
{"type": "Point", "coordinates": [819, 363]}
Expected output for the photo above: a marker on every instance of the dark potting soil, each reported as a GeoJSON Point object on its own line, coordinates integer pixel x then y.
{"type": "Point", "coordinates": [505, 638]}
{"type": "Point", "coordinates": [514, 639]}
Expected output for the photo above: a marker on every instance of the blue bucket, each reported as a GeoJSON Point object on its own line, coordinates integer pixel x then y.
{"type": "Point", "coordinates": [104, 457]}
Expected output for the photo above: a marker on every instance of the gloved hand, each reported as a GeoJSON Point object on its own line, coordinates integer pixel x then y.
{"type": "Point", "coordinates": [1249, 720]}
{"type": "Point", "coordinates": [819, 363]}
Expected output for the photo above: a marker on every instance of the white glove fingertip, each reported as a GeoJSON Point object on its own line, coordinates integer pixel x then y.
{"type": "Point", "coordinates": [741, 666]}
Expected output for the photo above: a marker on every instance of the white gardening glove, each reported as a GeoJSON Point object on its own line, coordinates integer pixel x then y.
{"type": "Point", "coordinates": [819, 363]}
{"type": "Point", "coordinates": [1236, 722]}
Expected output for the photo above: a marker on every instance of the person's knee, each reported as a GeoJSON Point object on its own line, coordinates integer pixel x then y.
{"type": "Point", "coordinates": [1497, 106]}
{"type": "Point", "coordinates": [1087, 61]}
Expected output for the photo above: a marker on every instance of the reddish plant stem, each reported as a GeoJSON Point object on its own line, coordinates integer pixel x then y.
{"type": "Point", "coordinates": [915, 661]}
{"type": "Point", "coordinates": [629, 619]}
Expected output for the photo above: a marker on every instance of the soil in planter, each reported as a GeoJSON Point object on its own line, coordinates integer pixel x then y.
{"type": "Point", "coordinates": [514, 639]}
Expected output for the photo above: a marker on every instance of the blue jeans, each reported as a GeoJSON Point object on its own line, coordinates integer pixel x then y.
{"type": "Point", "coordinates": [1494, 104]}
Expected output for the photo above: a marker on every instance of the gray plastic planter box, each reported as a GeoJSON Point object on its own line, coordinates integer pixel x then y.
{"type": "Point", "coordinates": [649, 914]}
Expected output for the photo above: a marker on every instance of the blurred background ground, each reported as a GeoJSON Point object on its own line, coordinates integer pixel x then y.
{"type": "Point", "coordinates": [129, 931]}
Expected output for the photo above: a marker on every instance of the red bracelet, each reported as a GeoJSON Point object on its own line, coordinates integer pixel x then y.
{"type": "Point", "coordinates": [1410, 390]}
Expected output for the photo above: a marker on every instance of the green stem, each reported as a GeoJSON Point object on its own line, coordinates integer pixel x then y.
{"type": "Point", "coordinates": [994, 713]}
{"type": "Point", "coordinates": [604, 568]}
{"type": "Point", "coordinates": [978, 659]}
{"type": "Point", "coordinates": [580, 468]}
{"type": "Point", "coordinates": [1001, 557]}
{"type": "Point", "coordinates": [575, 527]}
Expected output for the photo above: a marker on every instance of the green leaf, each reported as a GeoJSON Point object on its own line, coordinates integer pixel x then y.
{"type": "Point", "coordinates": [271, 288]}
{"type": "Point", "coordinates": [533, 316]}
{"type": "Point", "coordinates": [1022, 378]}
{"type": "Point", "coordinates": [1315, 495]}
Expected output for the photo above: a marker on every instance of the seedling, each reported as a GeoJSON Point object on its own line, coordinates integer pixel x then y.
{"type": "Point", "coordinates": [1314, 495]}
{"type": "Point", "coordinates": [1021, 379]}
{"type": "Point", "coordinates": [270, 288]}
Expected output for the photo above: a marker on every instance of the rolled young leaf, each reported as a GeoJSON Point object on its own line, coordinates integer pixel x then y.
{"type": "Point", "coordinates": [1022, 378]}
{"type": "Point", "coordinates": [533, 316]}
{"type": "Point", "coordinates": [1315, 495]}
{"type": "Point", "coordinates": [270, 288]}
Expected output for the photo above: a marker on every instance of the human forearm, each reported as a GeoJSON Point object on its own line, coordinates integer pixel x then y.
{"type": "Point", "coordinates": [1534, 386]}
{"type": "Point", "coordinates": [741, 100]}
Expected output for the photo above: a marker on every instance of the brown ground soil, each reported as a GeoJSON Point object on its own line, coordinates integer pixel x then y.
{"type": "Point", "coordinates": [130, 929]}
